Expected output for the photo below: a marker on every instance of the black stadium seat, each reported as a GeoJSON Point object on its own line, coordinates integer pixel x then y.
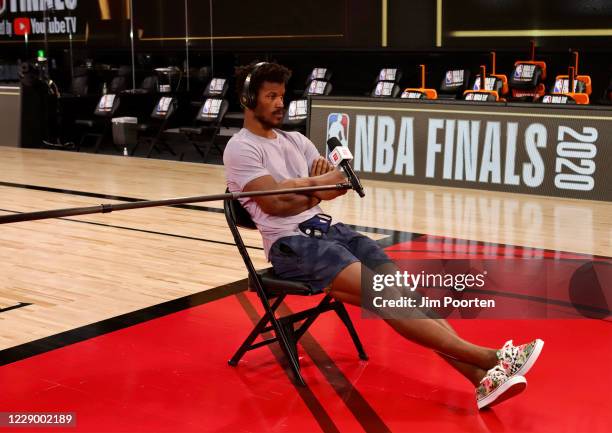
{"type": "Point", "coordinates": [454, 83]}
{"type": "Point", "coordinates": [317, 84]}
{"type": "Point", "coordinates": [149, 84]}
{"type": "Point", "coordinates": [527, 78]}
{"type": "Point", "coordinates": [386, 85]}
{"type": "Point", "coordinates": [122, 81]}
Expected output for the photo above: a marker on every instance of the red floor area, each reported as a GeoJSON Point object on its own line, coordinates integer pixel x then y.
{"type": "Point", "coordinates": [170, 374]}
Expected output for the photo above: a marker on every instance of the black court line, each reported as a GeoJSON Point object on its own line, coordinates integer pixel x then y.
{"type": "Point", "coordinates": [14, 307]}
{"type": "Point", "coordinates": [356, 403]}
{"type": "Point", "coordinates": [143, 231]}
{"type": "Point", "coordinates": [92, 330]}
{"type": "Point", "coordinates": [313, 404]}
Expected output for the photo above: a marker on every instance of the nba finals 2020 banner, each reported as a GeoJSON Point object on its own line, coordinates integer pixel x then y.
{"type": "Point", "coordinates": [543, 150]}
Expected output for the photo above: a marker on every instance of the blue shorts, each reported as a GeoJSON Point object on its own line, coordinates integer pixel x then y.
{"type": "Point", "coordinates": [317, 261]}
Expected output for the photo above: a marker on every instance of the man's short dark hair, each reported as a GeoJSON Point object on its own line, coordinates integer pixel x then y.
{"type": "Point", "coordinates": [271, 72]}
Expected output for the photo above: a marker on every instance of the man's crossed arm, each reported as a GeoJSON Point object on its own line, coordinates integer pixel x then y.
{"type": "Point", "coordinates": [322, 173]}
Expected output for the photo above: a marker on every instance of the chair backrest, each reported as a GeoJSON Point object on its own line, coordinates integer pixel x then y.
{"type": "Point", "coordinates": [492, 83]}
{"type": "Point", "coordinates": [562, 85]}
{"type": "Point", "coordinates": [385, 89]}
{"type": "Point", "coordinates": [527, 74]}
{"type": "Point", "coordinates": [165, 108]}
{"type": "Point", "coordinates": [150, 84]}
{"type": "Point", "coordinates": [107, 105]}
{"type": "Point", "coordinates": [212, 111]}
{"type": "Point", "coordinates": [297, 112]}
{"type": "Point", "coordinates": [323, 74]}
{"type": "Point", "coordinates": [393, 75]}
{"type": "Point", "coordinates": [238, 215]}
{"type": "Point", "coordinates": [217, 87]}
{"type": "Point", "coordinates": [203, 74]}
{"type": "Point", "coordinates": [318, 87]}
{"type": "Point", "coordinates": [80, 84]}
{"type": "Point", "coordinates": [118, 84]}
{"type": "Point", "coordinates": [454, 82]}
{"type": "Point", "coordinates": [124, 71]}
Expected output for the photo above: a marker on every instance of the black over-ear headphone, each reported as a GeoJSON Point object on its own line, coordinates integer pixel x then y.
{"type": "Point", "coordinates": [248, 98]}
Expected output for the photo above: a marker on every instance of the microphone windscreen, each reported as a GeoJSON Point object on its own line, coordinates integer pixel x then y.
{"type": "Point", "coordinates": [332, 143]}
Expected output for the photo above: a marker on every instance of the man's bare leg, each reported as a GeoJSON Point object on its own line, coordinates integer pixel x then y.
{"type": "Point", "coordinates": [469, 359]}
{"type": "Point", "coordinates": [472, 372]}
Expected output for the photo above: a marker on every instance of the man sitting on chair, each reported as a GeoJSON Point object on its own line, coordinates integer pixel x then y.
{"type": "Point", "coordinates": [334, 259]}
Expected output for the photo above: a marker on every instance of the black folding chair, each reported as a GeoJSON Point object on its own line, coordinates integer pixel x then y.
{"type": "Point", "coordinates": [207, 125]}
{"type": "Point", "coordinates": [152, 133]}
{"type": "Point", "coordinates": [287, 329]}
{"type": "Point", "coordinates": [100, 125]}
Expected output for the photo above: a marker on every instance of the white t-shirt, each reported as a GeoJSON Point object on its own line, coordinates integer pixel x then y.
{"type": "Point", "coordinates": [288, 156]}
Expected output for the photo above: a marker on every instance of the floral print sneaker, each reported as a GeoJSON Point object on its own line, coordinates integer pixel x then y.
{"type": "Point", "coordinates": [497, 386]}
{"type": "Point", "coordinates": [517, 360]}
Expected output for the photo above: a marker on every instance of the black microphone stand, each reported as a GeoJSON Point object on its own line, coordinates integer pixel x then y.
{"type": "Point", "coordinates": [107, 208]}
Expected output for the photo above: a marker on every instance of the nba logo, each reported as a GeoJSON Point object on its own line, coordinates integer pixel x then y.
{"type": "Point", "coordinates": [518, 72]}
{"type": "Point", "coordinates": [338, 126]}
{"type": "Point", "coordinates": [449, 77]}
{"type": "Point", "coordinates": [2, 6]}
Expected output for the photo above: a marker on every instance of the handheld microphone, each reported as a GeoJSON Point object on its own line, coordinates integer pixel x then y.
{"type": "Point", "coordinates": [340, 156]}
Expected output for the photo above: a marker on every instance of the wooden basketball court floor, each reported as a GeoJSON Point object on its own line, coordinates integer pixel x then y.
{"type": "Point", "coordinates": [127, 319]}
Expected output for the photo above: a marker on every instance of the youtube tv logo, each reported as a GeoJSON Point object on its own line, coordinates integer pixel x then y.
{"type": "Point", "coordinates": [22, 26]}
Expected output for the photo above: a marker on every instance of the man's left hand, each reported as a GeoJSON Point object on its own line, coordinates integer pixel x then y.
{"type": "Point", "coordinates": [320, 166]}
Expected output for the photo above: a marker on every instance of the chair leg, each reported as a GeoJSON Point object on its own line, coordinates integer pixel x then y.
{"type": "Point", "coordinates": [192, 141]}
{"type": "Point", "coordinates": [291, 339]}
{"type": "Point", "coordinates": [244, 347]}
{"type": "Point", "coordinates": [167, 147]}
{"type": "Point", "coordinates": [346, 319]}
{"type": "Point", "coordinates": [152, 146]}
{"type": "Point", "coordinates": [263, 322]}
{"type": "Point", "coordinates": [157, 143]}
{"type": "Point", "coordinates": [99, 139]}
{"type": "Point", "coordinates": [286, 340]}
{"type": "Point", "coordinates": [203, 149]}
{"type": "Point", "coordinates": [133, 151]}
{"type": "Point", "coordinates": [287, 345]}
{"type": "Point", "coordinates": [80, 144]}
